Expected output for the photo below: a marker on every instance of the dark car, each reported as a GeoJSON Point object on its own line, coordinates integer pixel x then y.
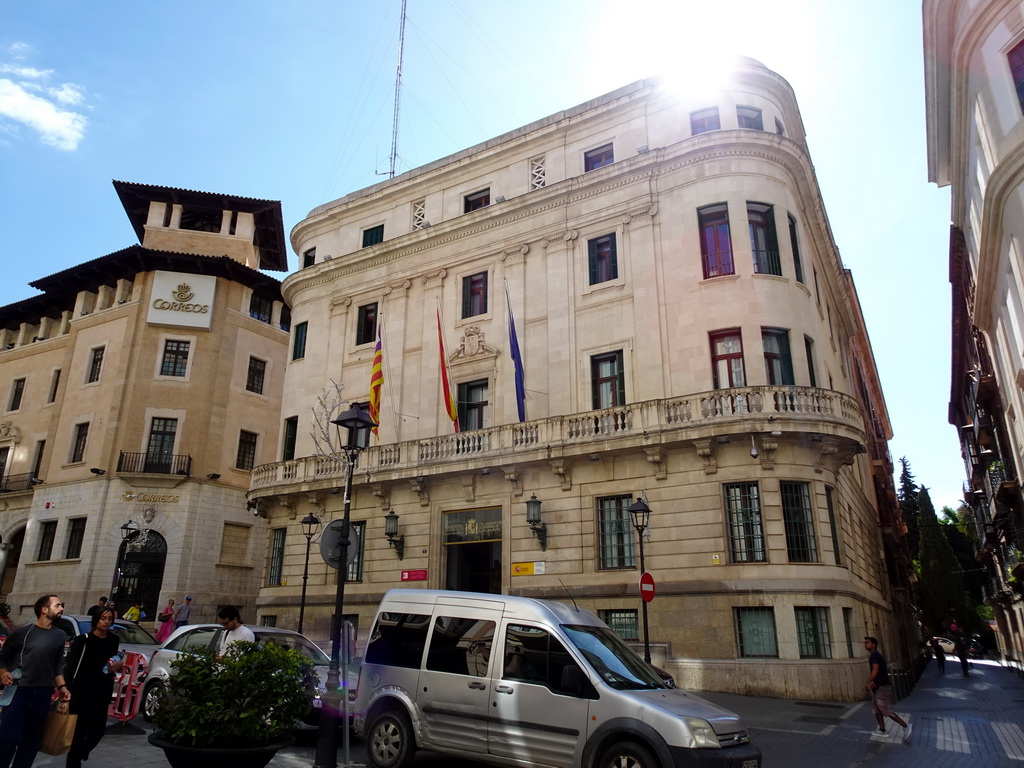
{"type": "Point", "coordinates": [207, 636]}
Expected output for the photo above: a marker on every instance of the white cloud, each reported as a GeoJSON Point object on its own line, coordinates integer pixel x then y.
{"type": "Point", "coordinates": [25, 72]}
{"type": "Point", "coordinates": [57, 127]}
{"type": "Point", "coordinates": [68, 93]}
{"type": "Point", "coordinates": [19, 50]}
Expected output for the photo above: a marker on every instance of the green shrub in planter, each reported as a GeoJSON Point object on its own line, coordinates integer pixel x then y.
{"type": "Point", "coordinates": [248, 698]}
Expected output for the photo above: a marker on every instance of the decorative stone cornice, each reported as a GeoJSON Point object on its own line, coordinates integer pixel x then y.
{"type": "Point", "coordinates": [383, 494]}
{"type": "Point", "coordinates": [469, 487]}
{"type": "Point", "coordinates": [656, 456]}
{"type": "Point", "coordinates": [512, 476]}
{"type": "Point", "coordinates": [419, 487]}
{"type": "Point", "coordinates": [707, 454]}
{"type": "Point", "coordinates": [561, 470]}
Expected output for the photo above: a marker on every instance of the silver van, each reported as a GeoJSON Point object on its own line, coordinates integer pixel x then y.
{"type": "Point", "coordinates": [516, 681]}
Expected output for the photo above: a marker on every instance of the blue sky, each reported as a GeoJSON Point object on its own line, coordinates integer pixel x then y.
{"type": "Point", "coordinates": [293, 102]}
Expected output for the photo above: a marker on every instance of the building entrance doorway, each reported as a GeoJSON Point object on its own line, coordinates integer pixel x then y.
{"type": "Point", "coordinates": [140, 562]}
{"type": "Point", "coordinates": [472, 549]}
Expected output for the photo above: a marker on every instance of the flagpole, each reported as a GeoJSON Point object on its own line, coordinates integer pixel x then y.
{"type": "Point", "coordinates": [446, 373]}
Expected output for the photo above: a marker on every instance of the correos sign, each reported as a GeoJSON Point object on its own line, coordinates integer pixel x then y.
{"type": "Point", "coordinates": [181, 299]}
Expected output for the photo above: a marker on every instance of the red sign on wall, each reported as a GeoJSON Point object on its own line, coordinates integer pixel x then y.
{"type": "Point", "coordinates": [414, 575]}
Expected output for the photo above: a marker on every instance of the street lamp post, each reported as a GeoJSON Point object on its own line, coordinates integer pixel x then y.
{"type": "Point", "coordinates": [641, 518]}
{"type": "Point", "coordinates": [129, 531]}
{"type": "Point", "coordinates": [310, 525]}
{"type": "Point", "coordinates": [358, 423]}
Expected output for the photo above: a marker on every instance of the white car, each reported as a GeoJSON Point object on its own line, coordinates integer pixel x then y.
{"type": "Point", "coordinates": [948, 646]}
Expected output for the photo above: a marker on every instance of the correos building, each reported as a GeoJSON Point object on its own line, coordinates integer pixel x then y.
{"type": "Point", "coordinates": [687, 335]}
{"type": "Point", "coordinates": [139, 390]}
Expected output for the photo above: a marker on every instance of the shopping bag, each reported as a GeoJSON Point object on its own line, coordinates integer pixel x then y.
{"type": "Point", "coordinates": [59, 731]}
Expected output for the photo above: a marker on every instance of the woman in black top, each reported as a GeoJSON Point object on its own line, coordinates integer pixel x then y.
{"type": "Point", "coordinates": [90, 686]}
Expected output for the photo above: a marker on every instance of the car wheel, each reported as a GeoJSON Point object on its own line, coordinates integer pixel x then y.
{"type": "Point", "coordinates": [152, 699]}
{"type": "Point", "coordinates": [627, 754]}
{"type": "Point", "coordinates": [389, 740]}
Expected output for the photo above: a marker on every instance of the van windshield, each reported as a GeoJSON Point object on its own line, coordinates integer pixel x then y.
{"type": "Point", "coordinates": [613, 660]}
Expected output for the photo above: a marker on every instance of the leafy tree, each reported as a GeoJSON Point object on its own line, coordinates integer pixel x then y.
{"type": "Point", "coordinates": [943, 599]}
{"type": "Point", "coordinates": [907, 495]}
{"type": "Point", "coordinates": [959, 529]}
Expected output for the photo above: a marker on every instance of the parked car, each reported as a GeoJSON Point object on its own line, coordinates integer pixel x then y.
{"type": "Point", "coordinates": [134, 638]}
{"type": "Point", "coordinates": [203, 636]}
{"type": "Point", "coordinates": [948, 646]}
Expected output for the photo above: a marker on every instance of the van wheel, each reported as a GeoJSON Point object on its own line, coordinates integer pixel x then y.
{"type": "Point", "coordinates": [627, 754]}
{"type": "Point", "coordinates": [152, 699]}
{"type": "Point", "coordinates": [389, 740]}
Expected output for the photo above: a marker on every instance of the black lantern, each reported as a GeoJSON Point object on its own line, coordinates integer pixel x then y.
{"type": "Point", "coordinates": [310, 525]}
{"type": "Point", "coordinates": [391, 533]}
{"type": "Point", "coordinates": [641, 519]}
{"type": "Point", "coordinates": [540, 530]}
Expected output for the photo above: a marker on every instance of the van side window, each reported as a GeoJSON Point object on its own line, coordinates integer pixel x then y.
{"type": "Point", "coordinates": [398, 640]}
{"type": "Point", "coordinates": [460, 646]}
{"type": "Point", "coordinates": [532, 655]}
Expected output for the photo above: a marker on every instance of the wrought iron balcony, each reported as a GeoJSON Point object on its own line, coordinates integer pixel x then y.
{"type": "Point", "coordinates": [635, 425]}
{"type": "Point", "coordinates": [15, 483]}
{"type": "Point", "coordinates": [155, 464]}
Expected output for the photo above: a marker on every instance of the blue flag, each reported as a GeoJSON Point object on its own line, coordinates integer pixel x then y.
{"type": "Point", "coordinates": [517, 361]}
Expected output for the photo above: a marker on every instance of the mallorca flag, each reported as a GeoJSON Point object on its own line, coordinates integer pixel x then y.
{"type": "Point", "coordinates": [449, 401]}
{"type": "Point", "coordinates": [376, 380]}
{"type": "Point", "coordinates": [517, 361]}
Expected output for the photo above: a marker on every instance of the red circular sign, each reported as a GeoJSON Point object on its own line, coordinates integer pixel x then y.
{"type": "Point", "coordinates": [647, 587]}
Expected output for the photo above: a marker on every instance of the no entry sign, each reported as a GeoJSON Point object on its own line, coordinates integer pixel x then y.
{"type": "Point", "coordinates": [647, 587]}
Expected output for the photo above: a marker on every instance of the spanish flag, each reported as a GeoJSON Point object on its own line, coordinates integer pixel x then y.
{"type": "Point", "coordinates": [449, 401]}
{"type": "Point", "coordinates": [376, 379]}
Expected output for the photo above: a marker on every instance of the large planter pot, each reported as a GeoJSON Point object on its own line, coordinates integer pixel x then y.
{"type": "Point", "coordinates": [181, 756]}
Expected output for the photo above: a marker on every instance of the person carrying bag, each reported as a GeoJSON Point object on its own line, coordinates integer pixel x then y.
{"type": "Point", "coordinates": [59, 731]}
{"type": "Point", "coordinates": [93, 658]}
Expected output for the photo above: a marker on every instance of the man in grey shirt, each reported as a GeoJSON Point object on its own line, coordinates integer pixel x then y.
{"type": "Point", "coordinates": [181, 615]}
{"type": "Point", "coordinates": [37, 651]}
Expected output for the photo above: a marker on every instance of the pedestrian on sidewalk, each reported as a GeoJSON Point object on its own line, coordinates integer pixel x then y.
{"type": "Point", "coordinates": [183, 612]}
{"type": "Point", "coordinates": [91, 679]}
{"type": "Point", "coordinates": [166, 620]}
{"type": "Point", "coordinates": [940, 656]}
{"type": "Point", "coordinates": [881, 687]}
{"type": "Point", "coordinates": [37, 652]}
{"type": "Point", "coordinates": [961, 652]}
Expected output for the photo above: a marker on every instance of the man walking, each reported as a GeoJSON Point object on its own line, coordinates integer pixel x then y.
{"type": "Point", "coordinates": [234, 630]}
{"type": "Point", "coordinates": [37, 652]}
{"type": "Point", "coordinates": [182, 613]}
{"type": "Point", "coordinates": [101, 603]}
{"type": "Point", "coordinates": [881, 688]}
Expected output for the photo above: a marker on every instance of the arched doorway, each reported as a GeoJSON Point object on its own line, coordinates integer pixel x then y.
{"type": "Point", "coordinates": [140, 561]}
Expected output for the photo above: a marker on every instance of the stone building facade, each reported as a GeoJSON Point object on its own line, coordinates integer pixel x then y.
{"type": "Point", "coordinates": [688, 334]}
{"type": "Point", "coordinates": [974, 77]}
{"type": "Point", "coordinates": [143, 386]}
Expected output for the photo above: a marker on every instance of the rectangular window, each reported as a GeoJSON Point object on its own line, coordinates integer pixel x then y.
{"type": "Point", "coordinates": [615, 533]}
{"type": "Point", "coordinates": [622, 622]}
{"type": "Point", "coordinates": [76, 534]}
{"type": "Point", "coordinates": [474, 295]}
{"type": "Point", "coordinates": [286, 319]}
{"type": "Point", "coordinates": [833, 528]}
{"type": "Point", "coordinates": [256, 375]}
{"type": "Point", "coordinates": [261, 308]}
{"type": "Point", "coordinates": [763, 241]}
{"type": "Point", "coordinates": [373, 235]}
{"type": "Point", "coordinates": [290, 433]}
{"type": "Point", "coordinates": [460, 646]}
{"type": "Point", "coordinates": [17, 393]}
{"type": "Point", "coordinates": [175, 361]}
{"type": "Point", "coordinates": [398, 640]}
{"type": "Point", "coordinates": [54, 383]}
{"type": "Point", "coordinates": [755, 633]}
{"type": "Point", "coordinates": [268, 620]}
{"type": "Point", "coordinates": [477, 200]}
{"type": "Point", "coordinates": [78, 443]}
{"type": "Point", "coordinates": [95, 366]}
{"type": "Point", "coordinates": [848, 629]}
{"type": "Point", "coordinates": [715, 241]}
{"type": "Point", "coordinates": [746, 528]}
{"type": "Point", "coordinates": [812, 374]}
{"type": "Point", "coordinates": [246, 457]}
{"type": "Point", "coordinates": [727, 359]}
{"type": "Point", "coordinates": [799, 522]}
{"type": "Point", "coordinates": [419, 214]}
{"type": "Point", "coordinates": [355, 568]}
{"type": "Point", "coordinates": [749, 117]}
{"type": "Point", "coordinates": [608, 380]}
{"type": "Point", "coordinates": [779, 129]}
{"type": "Point", "coordinates": [4, 455]}
{"type": "Point", "coordinates": [276, 557]}
{"type": "Point", "coordinates": [1016, 61]}
{"type": "Point", "coordinates": [37, 467]}
{"type": "Point", "coordinates": [778, 362]}
{"type": "Point", "coordinates": [598, 158]}
{"type": "Point", "coordinates": [812, 633]}
{"type": "Point", "coordinates": [704, 120]}
{"type": "Point", "coordinates": [538, 173]}
{"type": "Point", "coordinates": [472, 405]}
{"type": "Point", "coordinates": [309, 258]}
{"type": "Point", "coordinates": [160, 451]}
{"type": "Point", "coordinates": [47, 533]}
{"type": "Point", "coordinates": [366, 325]}
{"type": "Point", "coordinates": [602, 261]}
{"type": "Point", "coordinates": [299, 342]}
{"type": "Point", "coordinates": [798, 267]}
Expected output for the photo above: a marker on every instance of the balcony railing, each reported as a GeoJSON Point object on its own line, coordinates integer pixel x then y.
{"type": "Point", "coordinates": [767, 263]}
{"type": "Point", "coordinates": [156, 464]}
{"type": "Point", "coordinates": [15, 483]}
{"type": "Point", "coordinates": [583, 431]}
{"type": "Point", "coordinates": [717, 264]}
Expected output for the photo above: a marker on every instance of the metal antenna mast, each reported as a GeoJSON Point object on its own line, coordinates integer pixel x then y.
{"type": "Point", "coordinates": [398, 95]}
